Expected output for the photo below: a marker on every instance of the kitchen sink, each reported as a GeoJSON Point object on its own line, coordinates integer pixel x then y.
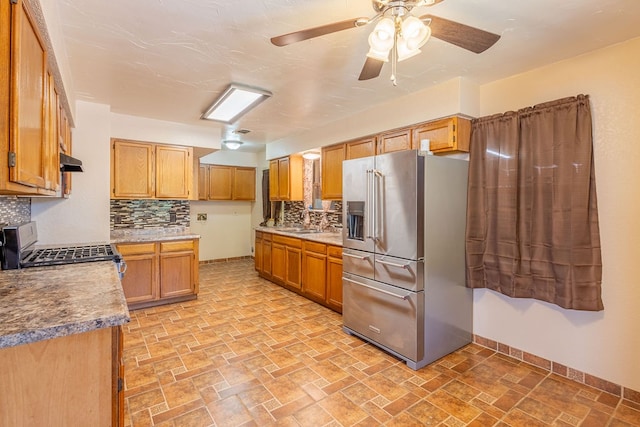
{"type": "Point", "coordinates": [298, 230]}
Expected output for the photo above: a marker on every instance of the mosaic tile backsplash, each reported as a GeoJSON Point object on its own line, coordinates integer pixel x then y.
{"type": "Point", "coordinates": [15, 210]}
{"type": "Point", "coordinates": [141, 214]}
{"type": "Point", "coordinates": [293, 214]}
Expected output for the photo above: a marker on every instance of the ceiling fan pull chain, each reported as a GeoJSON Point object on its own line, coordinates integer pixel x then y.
{"type": "Point", "coordinates": [394, 56]}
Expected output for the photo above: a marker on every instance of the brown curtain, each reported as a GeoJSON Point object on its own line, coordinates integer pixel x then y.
{"type": "Point", "coordinates": [532, 218]}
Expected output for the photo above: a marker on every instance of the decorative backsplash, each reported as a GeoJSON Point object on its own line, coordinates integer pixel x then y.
{"type": "Point", "coordinates": [15, 210]}
{"type": "Point", "coordinates": [140, 214]}
{"type": "Point", "coordinates": [293, 214]}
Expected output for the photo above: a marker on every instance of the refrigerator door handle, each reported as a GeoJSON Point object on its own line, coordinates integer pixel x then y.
{"type": "Point", "coordinates": [362, 258]}
{"type": "Point", "coordinates": [402, 297]}
{"type": "Point", "coordinates": [369, 207]}
{"type": "Point", "coordinates": [393, 264]}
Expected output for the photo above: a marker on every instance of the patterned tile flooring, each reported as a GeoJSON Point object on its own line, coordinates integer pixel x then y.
{"type": "Point", "coordinates": [250, 353]}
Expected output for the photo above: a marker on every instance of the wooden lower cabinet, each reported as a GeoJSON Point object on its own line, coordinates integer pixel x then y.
{"type": "Point", "coordinates": [311, 269]}
{"type": "Point", "coordinates": [334, 278]}
{"type": "Point", "coordinates": [314, 271]}
{"type": "Point", "coordinates": [71, 380]}
{"type": "Point", "coordinates": [160, 272]}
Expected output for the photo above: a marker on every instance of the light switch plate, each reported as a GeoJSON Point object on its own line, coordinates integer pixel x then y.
{"type": "Point", "coordinates": [201, 217]}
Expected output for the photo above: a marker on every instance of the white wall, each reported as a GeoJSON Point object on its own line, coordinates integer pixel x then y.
{"type": "Point", "coordinates": [228, 231]}
{"type": "Point", "coordinates": [605, 344]}
{"type": "Point", "coordinates": [84, 217]}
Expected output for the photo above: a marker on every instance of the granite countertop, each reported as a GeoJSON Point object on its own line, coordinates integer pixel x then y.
{"type": "Point", "coordinates": [41, 303]}
{"type": "Point", "coordinates": [152, 235]}
{"type": "Point", "coordinates": [330, 238]}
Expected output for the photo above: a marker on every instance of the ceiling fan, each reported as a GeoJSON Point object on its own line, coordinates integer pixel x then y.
{"type": "Point", "coordinates": [398, 34]}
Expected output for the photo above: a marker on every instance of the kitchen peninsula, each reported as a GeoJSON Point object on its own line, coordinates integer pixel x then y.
{"type": "Point", "coordinates": [61, 345]}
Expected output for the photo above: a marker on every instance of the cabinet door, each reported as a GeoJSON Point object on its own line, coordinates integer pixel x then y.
{"type": "Point", "coordinates": [51, 147]}
{"type": "Point", "coordinates": [334, 278]}
{"type": "Point", "coordinates": [394, 141]}
{"type": "Point", "coordinates": [332, 158]}
{"type": "Point", "coordinates": [314, 283]}
{"type": "Point", "coordinates": [258, 252]}
{"type": "Point", "coordinates": [362, 148]}
{"type": "Point", "coordinates": [244, 183]}
{"type": "Point", "coordinates": [278, 262]}
{"type": "Point", "coordinates": [446, 135]}
{"type": "Point", "coordinates": [140, 283]}
{"type": "Point", "coordinates": [293, 278]}
{"type": "Point", "coordinates": [283, 179]}
{"type": "Point", "coordinates": [174, 171]}
{"type": "Point", "coordinates": [266, 255]}
{"type": "Point", "coordinates": [132, 170]}
{"type": "Point", "coordinates": [203, 182]}
{"type": "Point", "coordinates": [28, 101]}
{"type": "Point", "coordinates": [176, 274]}
{"type": "Point", "coordinates": [220, 182]}
{"type": "Point", "coordinates": [274, 189]}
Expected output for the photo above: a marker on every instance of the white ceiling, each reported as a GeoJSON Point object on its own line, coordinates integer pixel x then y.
{"type": "Point", "coordinates": [169, 59]}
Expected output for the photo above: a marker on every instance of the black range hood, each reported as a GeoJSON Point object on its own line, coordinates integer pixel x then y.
{"type": "Point", "coordinates": [70, 164]}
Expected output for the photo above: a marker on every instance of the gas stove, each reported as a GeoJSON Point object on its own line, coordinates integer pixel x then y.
{"type": "Point", "coordinates": [19, 250]}
{"type": "Point", "coordinates": [69, 255]}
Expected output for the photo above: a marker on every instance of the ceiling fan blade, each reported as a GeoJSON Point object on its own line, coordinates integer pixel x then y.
{"type": "Point", "coordinates": [371, 69]}
{"type": "Point", "coordinates": [309, 33]}
{"type": "Point", "coordinates": [461, 35]}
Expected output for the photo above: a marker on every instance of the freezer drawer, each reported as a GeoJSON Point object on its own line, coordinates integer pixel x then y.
{"type": "Point", "coordinates": [387, 316]}
{"type": "Point", "coordinates": [399, 272]}
{"type": "Point", "coordinates": [357, 262]}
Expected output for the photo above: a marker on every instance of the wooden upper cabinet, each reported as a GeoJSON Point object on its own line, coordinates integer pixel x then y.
{"type": "Point", "coordinates": [230, 182]}
{"type": "Point", "coordinates": [360, 148]}
{"type": "Point", "coordinates": [142, 170]}
{"type": "Point", "coordinates": [220, 182]}
{"type": "Point", "coordinates": [394, 141]}
{"type": "Point", "coordinates": [174, 172]}
{"type": "Point", "coordinates": [331, 161]}
{"type": "Point", "coordinates": [132, 170]}
{"type": "Point", "coordinates": [244, 183]}
{"type": "Point", "coordinates": [203, 182]}
{"type": "Point", "coordinates": [286, 178]}
{"type": "Point", "coordinates": [446, 135]}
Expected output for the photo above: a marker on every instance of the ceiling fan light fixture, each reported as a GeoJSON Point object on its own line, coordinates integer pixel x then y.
{"type": "Point", "coordinates": [404, 52]}
{"type": "Point", "coordinates": [232, 145]}
{"type": "Point", "coordinates": [381, 40]}
{"type": "Point", "coordinates": [234, 102]}
{"type": "Point", "coordinates": [415, 32]}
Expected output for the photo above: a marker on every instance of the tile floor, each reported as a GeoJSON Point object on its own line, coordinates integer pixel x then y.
{"type": "Point", "coordinates": [250, 353]}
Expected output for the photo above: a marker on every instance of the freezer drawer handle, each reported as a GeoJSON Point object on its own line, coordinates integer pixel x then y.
{"type": "Point", "coordinates": [402, 297]}
{"type": "Point", "coordinates": [393, 264]}
{"type": "Point", "coordinates": [363, 258]}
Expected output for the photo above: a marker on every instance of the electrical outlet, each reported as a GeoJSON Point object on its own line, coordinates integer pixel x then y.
{"type": "Point", "coordinates": [117, 219]}
{"type": "Point", "coordinates": [172, 217]}
{"type": "Point", "coordinates": [201, 217]}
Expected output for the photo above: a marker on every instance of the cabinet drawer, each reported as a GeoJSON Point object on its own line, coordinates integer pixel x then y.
{"type": "Point", "coordinates": [288, 241]}
{"type": "Point", "coordinates": [335, 251]}
{"type": "Point", "coordinates": [137, 249]}
{"type": "Point", "coordinates": [266, 237]}
{"type": "Point", "coordinates": [182, 245]}
{"type": "Point", "coordinates": [258, 234]}
{"type": "Point", "coordinates": [320, 248]}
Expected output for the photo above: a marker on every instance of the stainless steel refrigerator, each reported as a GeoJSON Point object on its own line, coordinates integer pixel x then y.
{"type": "Point", "coordinates": [403, 257]}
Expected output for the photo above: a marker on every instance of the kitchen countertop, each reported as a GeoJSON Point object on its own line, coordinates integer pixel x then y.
{"type": "Point", "coordinates": [41, 303]}
{"type": "Point", "coordinates": [329, 238]}
{"type": "Point", "coordinates": [151, 235]}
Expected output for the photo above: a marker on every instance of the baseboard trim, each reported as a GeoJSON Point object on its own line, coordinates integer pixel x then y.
{"type": "Point", "coordinates": [559, 369]}
{"type": "Point", "coordinates": [213, 261]}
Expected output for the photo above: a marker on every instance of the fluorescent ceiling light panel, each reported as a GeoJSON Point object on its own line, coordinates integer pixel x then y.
{"type": "Point", "coordinates": [234, 102]}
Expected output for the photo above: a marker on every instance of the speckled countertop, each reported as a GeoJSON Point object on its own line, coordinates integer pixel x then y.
{"type": "Point", "coordinates": [47, 302]}
{"type": "Point", "coordinates": [152, 235]}
{"type": "Point", "coordinates": [329, 238]}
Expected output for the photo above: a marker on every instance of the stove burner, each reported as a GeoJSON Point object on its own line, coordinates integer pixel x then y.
{"type": "Point", "coordinates": [69, 255]}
